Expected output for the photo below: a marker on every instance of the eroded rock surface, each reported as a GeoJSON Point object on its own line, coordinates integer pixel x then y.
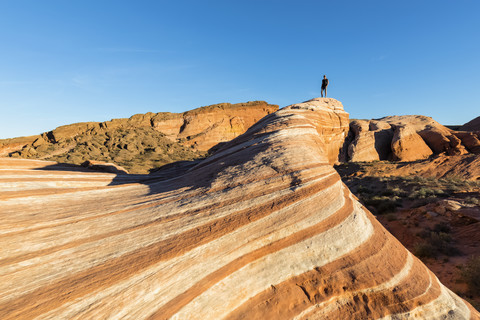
{"type": "Point", "coordinates": [263, 229]}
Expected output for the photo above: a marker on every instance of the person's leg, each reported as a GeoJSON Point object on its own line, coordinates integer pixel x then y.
{"type": "Point", "coordinates": [321, 93]}
{"type": "Point", "coordinates": [325, 92]}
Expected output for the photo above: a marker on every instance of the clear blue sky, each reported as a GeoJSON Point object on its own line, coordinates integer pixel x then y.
{"type": "Point", "coordinates": [93, 60]}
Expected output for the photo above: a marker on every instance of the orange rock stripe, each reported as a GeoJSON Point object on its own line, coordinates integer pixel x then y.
{"type": "Point", "coordinates": [176, 304]}
{"type": "Point", "coordinates": [72, 244]}
{"type": "Point", "coordinates": [368, 266]}
{"type": "Point", "coordinates": [163, 201]}
{"type": "Point", "coordinates": [315, 286]}
{"type": "Point", "coordinates": [107, 274]}
{"type": "Point", "coordinates": [379, 304]}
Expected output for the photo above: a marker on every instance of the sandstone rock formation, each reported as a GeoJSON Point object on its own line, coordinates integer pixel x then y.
{"type": "Point", "coordinates": [371, 141]}
{"type": "Point", "coordinates": [263, 229]}
{"type": "Point", "coordinates": [144, 141]}
{"type": "Point", "coordinates": [408, 145]}
{"type": "Point", "coordinates": [8, 146]}
{"type": "Point", "coordinates": [406, 138]}
{"type": "Point", "coordinates": [472, 125]}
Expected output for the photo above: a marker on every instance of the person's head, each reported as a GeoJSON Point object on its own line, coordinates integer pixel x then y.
{"type": "Point", "coordinates": [324, 77]}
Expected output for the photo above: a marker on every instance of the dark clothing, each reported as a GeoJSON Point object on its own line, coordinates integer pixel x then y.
{"type": "Point", "coordinates": [324, 83]}
{"type": "Point", "coordinates": [324, 86]}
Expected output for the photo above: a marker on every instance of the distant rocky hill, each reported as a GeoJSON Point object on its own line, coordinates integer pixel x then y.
{"type": "Point", "coordinates": [405, 138]}
{"type": "Point", "coordinates": [472, 125]}
{"type": "Point", "coordinates": [144, 141]}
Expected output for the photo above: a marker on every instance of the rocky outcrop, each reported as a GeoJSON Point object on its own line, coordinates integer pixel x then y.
{"type": "Point", "coordinates": [371, 140]}
{"type": "Point", "coordinates": [407, 145]}
{"type": "Point", "coordinates": [406, 138]}
{"type": "Point", "coordinates": [8, 146]}
{"type": "Point", "coordinates": [472, 125]}
{"type": "Point", "coordinates": [332, 127]}
{"type": "Point", "coordinates": [471, 140]}
{"type": "Point", "coordinates": [263, 229]}
{"type": "Point", "coordinates": [144, 141]}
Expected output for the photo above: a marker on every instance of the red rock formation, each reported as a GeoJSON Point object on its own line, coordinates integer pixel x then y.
{"type": "Point", "coordinates": [407, 138]}
{"type": "Point", "coordinates": [8, 146]}
{"type": "Point", "coordinates": [471, 140]}
{"type": "Point", "coordinates": [201, 128]}
{"type": "Point", "coordinates": [407, 145]}
{"type": "Point", "coordinates": [472, 125]}
{"type": "Point", "coordinates": [263, 229]}
{"type": "Point", "coordinates": [372, 140]}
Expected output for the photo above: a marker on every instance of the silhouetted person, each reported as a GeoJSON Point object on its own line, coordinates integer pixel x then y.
{"type": "Point", "coordinates": [324, 85]}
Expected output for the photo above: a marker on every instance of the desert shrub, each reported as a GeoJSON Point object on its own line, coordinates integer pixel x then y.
{"type": "Point", "coordinates": [443, 242]}
{"type": "Point", "coordinates": [383, 204]}
{"type": "Point", "coordinates": [454, 180]}
{"type": "Point", "coordinates": [424, 250]}
{"type": "Point", "coordinates": [425, 192]}
{"type": "Point", "coordinates": [394, 191]}
{"type": "Point", "coordinates": [471, 274]}
{"type": "Point", "coordinates": [363, 189]}
{"type": "Point", "coordinates": [435, 243]}
{"type": "Point", "coordinates": [442, 227]}
{"type": "Point", "coordinates": [472, 200]}
{"type": "Point", "coordinates": [418, 180]}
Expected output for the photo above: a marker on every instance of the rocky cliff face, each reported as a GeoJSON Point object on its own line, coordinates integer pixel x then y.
{"type": "Point", "coordinates": [406, 138]}
{"type": "Point", "coordinates": [263, 229]}
{"type": "Point", "coordinates": [144, 141]}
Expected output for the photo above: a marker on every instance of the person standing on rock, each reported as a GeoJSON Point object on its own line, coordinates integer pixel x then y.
{"type": "Point", "coordinates": [324, 85]}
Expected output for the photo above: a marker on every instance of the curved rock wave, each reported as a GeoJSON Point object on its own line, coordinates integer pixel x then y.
{"type": "Point", "coordinates": [263, 229]}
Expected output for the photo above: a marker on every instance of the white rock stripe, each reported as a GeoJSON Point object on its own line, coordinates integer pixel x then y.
{"type": "Point", "coordinates": [169, 279]}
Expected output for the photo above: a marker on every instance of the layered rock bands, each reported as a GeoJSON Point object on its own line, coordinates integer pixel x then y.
{"type": "Point", "coordinates": [263, 229]}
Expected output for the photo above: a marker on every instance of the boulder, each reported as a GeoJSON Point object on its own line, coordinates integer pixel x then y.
{"type": "Point", "coordinates": [407, 145]}
{"type": "Point", "coordinates": [371, 141]}
{"type": "Point", "coordinates": [441, 142]}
